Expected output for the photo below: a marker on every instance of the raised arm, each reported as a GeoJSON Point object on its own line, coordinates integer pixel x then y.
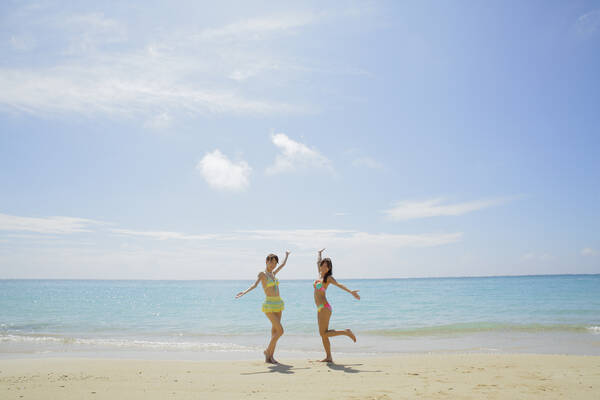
{"type": "Point", "coordinates": [319, 260]}
{"type": "Point", "coordinates": [336, 283]}
{"type": "Point", "coordinates": [260, 276]}
{"type": "Point", "coordinates": [287, 254]}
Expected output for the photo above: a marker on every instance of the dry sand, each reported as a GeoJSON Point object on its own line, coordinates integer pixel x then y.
{"type": "Point", "coordinates": [468, 376]}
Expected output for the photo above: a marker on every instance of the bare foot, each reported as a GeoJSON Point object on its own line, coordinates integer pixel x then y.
{"type": "Point", "coordinates": [274, 361]}
{"type": "Point", "coordinates": [351, 335]}
{"type": "Point", "coordinates": [328, 360]}
{"type": "Point", "coordinates": [267, 357]}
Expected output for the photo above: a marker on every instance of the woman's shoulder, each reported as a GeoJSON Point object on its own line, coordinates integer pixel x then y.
{"type": "Point", "coordinates": [261, 275]}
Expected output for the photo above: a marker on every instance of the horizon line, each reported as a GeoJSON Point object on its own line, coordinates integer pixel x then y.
{"type": "Point", "coordinates": [296, 279]}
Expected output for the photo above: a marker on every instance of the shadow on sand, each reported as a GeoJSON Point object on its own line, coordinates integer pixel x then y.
{"type": "Point", "coordinates": [289, 369]}
{"type": "Point", "coordinates": [347, 368]}
{"type": "Point", "coordinates": [279, 368]}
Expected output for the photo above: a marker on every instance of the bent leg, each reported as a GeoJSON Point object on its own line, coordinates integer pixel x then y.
{"type": "Point", "coordinates": [347, 332]}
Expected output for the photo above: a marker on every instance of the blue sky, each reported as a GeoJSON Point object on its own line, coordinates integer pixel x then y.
{"type": "Point", "coordinates": [145, 141]}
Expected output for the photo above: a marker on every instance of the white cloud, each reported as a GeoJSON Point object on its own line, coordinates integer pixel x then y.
{"type": "Point", "coordinates": [222, 173]}
{"type": "Point", "coordinates": [159, 122]}
{"type": "Point", "coordinates": [588, 252]}
{"type": "Point", "coordinates": [295, 156]}
{"type": "Point", "coordinates": [532, 256]}
{"type": "Point", "coordinates": [367, 162]}
{"type": "Point", "coordinates": [255, 28]}
{"type": "Point", "coordinates": [431, 208]}
{"type": "Point", "coordinates": [589, 23]}
{"type": "Point", "coordinates": [310, 238]}
{"type": "Point", "coordinates": [92, 21]}
{"type": "Point", "coordinates": [87, 31]}
{"type": "Point", "coordinates": [159, 254]}
{"type": "Point", "coordinates": [47, 225]}
{"type": "Point", "coordinates": [314, 238]}
{"type": "Point", "coordinates": [23, 42]}
{"type": "Point", "coordinates": [89, 90]}
{"type": "Point", "coordinates": [104, 65]}
{"type": "Point", "coordinates": [302, 238]}
{"type": "Point", "coordinates": [163, 235]}
{"type": "Point", "coordinates": [99, 70]}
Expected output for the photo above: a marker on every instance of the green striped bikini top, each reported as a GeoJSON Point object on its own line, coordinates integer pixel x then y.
{"type": "Point", "coordinates": [272, 282]}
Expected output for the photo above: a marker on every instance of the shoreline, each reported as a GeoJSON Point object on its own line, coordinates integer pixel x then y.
{"type": "Point", "coordinates": [430, 376]}
{"type": "Point", "coordinates": [248, 347]}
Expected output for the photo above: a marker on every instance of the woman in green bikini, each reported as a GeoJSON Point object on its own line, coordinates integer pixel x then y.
{"type": "Point", "coordinates": [273, 305]}
{"type": "Point", "coordinates": [324, 310]}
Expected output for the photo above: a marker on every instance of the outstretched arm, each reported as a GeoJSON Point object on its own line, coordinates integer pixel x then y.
{"type": "Point", "coordinates": [240, 294]}
{"type": "Point", "coordinates": [287, 254]}
{"type": "Point", "coordinates": [336, 283]}
{"type": "Point", "coordinates": [319, 260]}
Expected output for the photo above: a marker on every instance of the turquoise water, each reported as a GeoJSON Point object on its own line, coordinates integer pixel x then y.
{"type": "Point", "coordinates": [394, 315]}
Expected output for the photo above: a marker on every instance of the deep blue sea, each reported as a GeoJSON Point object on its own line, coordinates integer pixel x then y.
{"type": "Point", "coordinates": [189, 319]}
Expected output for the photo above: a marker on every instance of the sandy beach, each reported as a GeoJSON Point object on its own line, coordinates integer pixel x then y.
{"type": "Point", "coordinates": [468, 376]}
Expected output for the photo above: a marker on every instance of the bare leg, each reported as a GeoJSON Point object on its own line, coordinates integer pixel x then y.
{"type": "Point", "coordinates": [323, 317]}
{"type": "Point", "coordinates": [347, 332]}
{"type": "Point", "coordinates": [276, 333]}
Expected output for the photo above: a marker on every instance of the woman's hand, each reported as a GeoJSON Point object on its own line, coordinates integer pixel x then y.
{"type": "Point", "coordinates": [355, 294]}
{"type": "Point", "coordinates": [240, 294]}
{"type": "Point", "coordinates": [321, 251]}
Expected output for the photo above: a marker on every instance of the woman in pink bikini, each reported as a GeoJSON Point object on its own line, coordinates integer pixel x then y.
{"type": "Point", "coordinates": [324, 310]}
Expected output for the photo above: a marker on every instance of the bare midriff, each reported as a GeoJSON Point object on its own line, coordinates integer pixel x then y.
{"type": "Point", "coordinates": [272, 291]}
{"type": "Point", "coordinates": [271, 288]}
{"type": "Point", "coordinates": [320, 297]}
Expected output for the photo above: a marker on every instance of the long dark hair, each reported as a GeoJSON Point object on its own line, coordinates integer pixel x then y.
{"type": "Point", "coordinates": [330, 265]}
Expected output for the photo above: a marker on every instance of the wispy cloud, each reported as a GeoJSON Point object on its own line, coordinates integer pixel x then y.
{"type": "Point", "coordinates": [313, 238]}
{"type": "Point", "coordinates": [22, 42]}
{"type": "Point", "coordinates": [301, 238]}
{"type": "Point", "coordinates": [159, 121]}
{"type": "Point", "coordinates": [255, 28]}
{"type": "Point", "coordinates": [367, 162]}
{"type": "Point", "coordinates": [163, 235]}
{"type": "Point", "coordinates": [222, 173]}
{"type": "Point", "coordinates": [102, 65]}
{"type": "Point", "coordinates": [89, 90]}
{"type": "Point", "coordinates": [589, 23]}
{"type": "Point", "coordinates": [167, 254]}
{"type": "Point", "coordinates": [294, 156]}
{"type": "Point", "coordinates": [588, 251]}
{"type": "Point", "coordinates": [310, 238]}
{"type": "Point", "coordinates": [88, 31]}
{"type": "Point", "coordinates": [532, 256]}
{"type": "Point", "coordinates": [361, 160]}
{"type": "Point", "coordinates": [405, 210]}
{"type": "Point", "coordinates": [99, 70]}
{"type": "Point", "coordinates": [47, 225]}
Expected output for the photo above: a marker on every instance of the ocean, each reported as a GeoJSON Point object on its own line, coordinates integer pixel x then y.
{"type": "Point", "coordinates": [557, 314]}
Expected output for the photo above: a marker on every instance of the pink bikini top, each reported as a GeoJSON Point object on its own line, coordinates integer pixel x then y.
{"type": "Point", "coordinates": [319, 285]}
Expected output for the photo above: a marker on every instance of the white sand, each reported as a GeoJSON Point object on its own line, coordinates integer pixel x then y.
{"type": "Point", "coordinates": [469, 376]}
